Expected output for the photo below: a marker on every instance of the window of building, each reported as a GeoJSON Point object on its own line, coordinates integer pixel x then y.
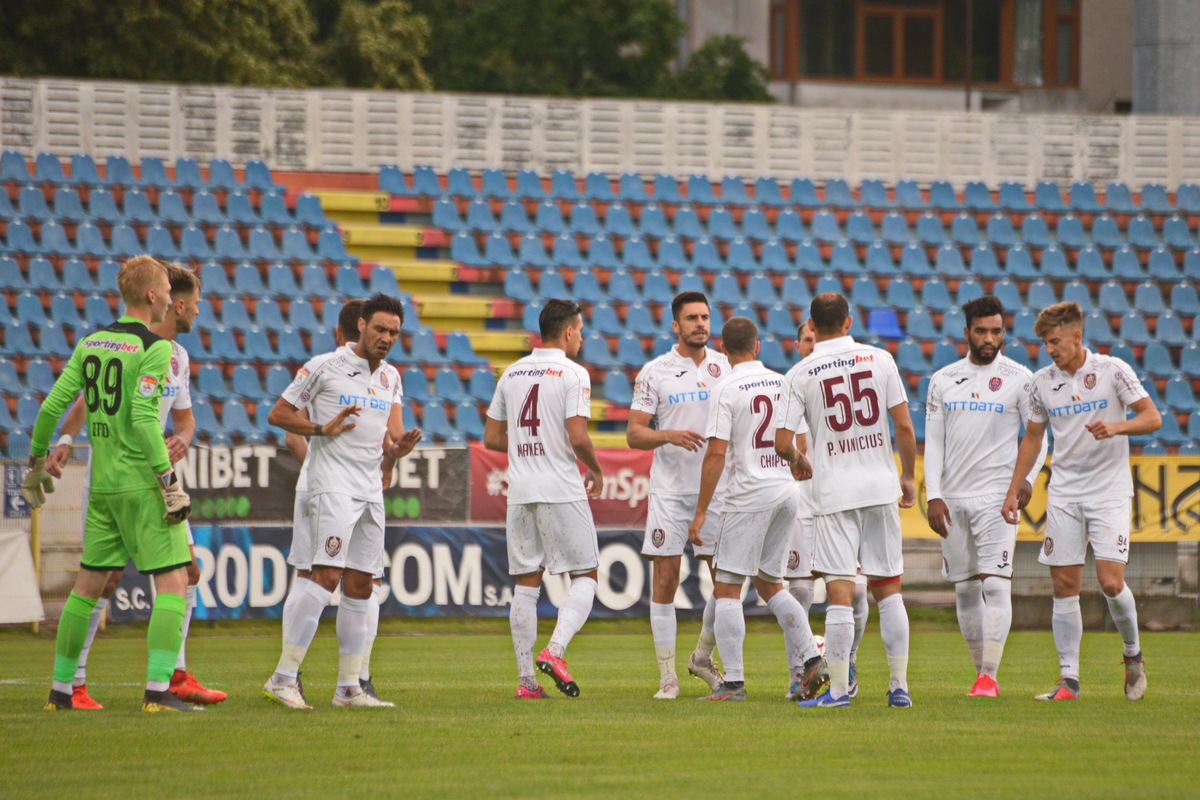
{"type": "Point", "coordinates": [1013, 42]}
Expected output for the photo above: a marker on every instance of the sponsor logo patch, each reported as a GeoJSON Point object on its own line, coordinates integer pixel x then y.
{"type": "Point", "coordinates": [383, 379]}
{"type": "Point", "coordinates": [1089, 381]}
{"type": "Point", "coordinates": [714, 370]}
{"type": "Point", "coordinates": [1048, 546]}
{"type": "Point", "coordinates": [994, 384]}
{"type": "Point", "coordinates": [793, 559]}
{"type": "Point", "coordinates": [147, 385]}
{"type": "Point", "coordinates": [174, 365]}
{"type": "Point", "coordinates": [333, 546]}
{"type": "Point", "coordinates": [657, 537]}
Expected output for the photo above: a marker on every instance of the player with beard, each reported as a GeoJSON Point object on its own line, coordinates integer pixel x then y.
{"type": "Point", "coordinates": [974, 413]}
{"type": "Point", "coordinates": [668, 415]}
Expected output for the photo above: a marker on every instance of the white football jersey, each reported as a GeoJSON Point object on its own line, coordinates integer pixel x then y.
{"type": "Point", "coordinates": [676, 392]}
{"type": "Point", "coordinates": [348, 463]}
{"type": "Point", "coordinates": [536, 396]}
{"type": "Point", "coordinates": [302, 478]}
{"type": "Point", "coordinates": [981, 408]}
{"type": "Point", "coordinates": [804, 508]}
{"type": "Point", "coordinates": [745, 414]}
{"type": "Point", "coordinates": [844, 390]}
{"type": "Point", "coordinates": [1083, 467]}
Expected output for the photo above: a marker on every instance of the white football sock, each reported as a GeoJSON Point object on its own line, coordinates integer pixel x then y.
{"type": "Point", "coordinates": [302, 615]}
{"type": "Point", "coordinates": [802, 591]}
{"type": "Point", "coordinates": [364, 670]}
{"type": "Point", "coordinates": [861, 612]}
{"type": "Point", "coordinates": [968, 602]}
{"type": "Point", "coordinates": [997, 620]}
{"type": "Point", "coordinates": [181, 662]}
{"type": "Point", "coordinates": [351, 636]}
{"type": "Point", "coordinates": [664, 628]}
{"type": "Point", "coordinates": [1067, 624]}
{"type": "Point", "coordinates": [839, 636]}
{"type": "Point", "coordinates": [1124, 614]}
{"type": "Point", "coordinates": [730, 629]}
{"type": "Point", "coordinates": [893, 628]}
{"type": "Point", "coordinates": [93, 626]}
{"type": "Point", "coordinates": [797, 635]}
{"type": "Point", "coordinates": [522, 623]}
{"type": "Point", "coordinates": [708, 636]}
{"type": "Point", "coordinates": [575, 609]}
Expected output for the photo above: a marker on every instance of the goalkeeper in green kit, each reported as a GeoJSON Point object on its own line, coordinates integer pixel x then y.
{"type": "Point", "coordinates": [136, 505]}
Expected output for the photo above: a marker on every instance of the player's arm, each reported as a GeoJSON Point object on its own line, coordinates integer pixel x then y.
{"type": "Point", "coordinates": [183, 424]}
{"type": "Point", "coordinates": [585, 451]}
{"type": "Point", "coordinates": [495, 435]}
{"type": "Point", "coordinates": [1146, 420]}
{"type": "Point", "coordinates": [38, 480]}
{"type": "Point", "coordinates": [296, 444]}
{"type": "Point", "coordinates": [792, 447]}
{"type": "Point", "coordinates": [906, 446]}
{"type": "Point", "coordinates": [640, 436]}
{"type": "Point", "coordinates": [72, 424]}
{"type": "Point", "coordinates": [401, 442]}
{"type": "Point", "coordinates": [1027, 456]}
{"type": "Point", "coordinates": [710, 473]}
{"type": "Point", "coordinates": [935, 444]}
{"type": "Point", "coordinates": [147, 435]}
{"type": "Point", "coordinates": [287, 416]}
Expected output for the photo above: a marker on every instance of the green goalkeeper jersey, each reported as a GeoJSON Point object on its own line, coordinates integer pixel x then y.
{"type": "Point", "coordinates": [121, 370]}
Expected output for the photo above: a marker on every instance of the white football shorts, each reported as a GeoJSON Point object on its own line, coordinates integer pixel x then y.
{"type": "Point", "coordinates": [301, 554]}
{"type": "Point", "coordinates": [346, 532]}
{"type": "Point", "coordinates": [1070, 526]}
{"type": "Point", "coordinates": [980, 541]}
{"type": "Point", "coordinates": [754, 542]}
{"type": "Point", "coordinates": [557, 537]}
{"type": "Point", "coordinates": [800, 555]}
{"type": "Point", "coordinates": [869, 537]}
{"type": "Point", "coordinates": [667, 519]}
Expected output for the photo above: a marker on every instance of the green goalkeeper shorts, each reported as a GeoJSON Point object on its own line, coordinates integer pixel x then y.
{"type": "Point", "coordinates": [131, 525]}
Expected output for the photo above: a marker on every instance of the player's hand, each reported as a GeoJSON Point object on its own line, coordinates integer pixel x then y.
{"type": "Point", "coordinates": [1024, 495]}
{"type": "Point", "coordinates": [939, 517]}
{"type": "Point", "coordinates": [405, 444]}
{"type": "Point", "coordinates": [593, 482]}
{"type": "Point", "coordinates": [57, 460]}
{"type": "Point", "coordinates": [38, 482]}
{"type": "Point", "coordinates": [176, 448]}
{"type": "Point", "coordinates": [1103, 430]}
{"type": "Point", "coordinates": [338, 424]}
{"type": "Point", "coordinates": [1011, 510]}
{"type": "Point", "coordinates": [694, 528]}
{"type": "Point", "coordinates": [688, 440]}
{"type": "Point", "coordinates": [179, 505]}
{"type": "Point", "coordinates": [908, 492]}
{"type": "Point", "coordinates": [801, 469]}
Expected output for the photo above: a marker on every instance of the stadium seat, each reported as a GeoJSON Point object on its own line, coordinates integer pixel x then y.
{"type": "Point", "coordinates": [415, 386]}
{"type": "Point", "coordinates": [425, 182]}
{"type": "Point", "coordinates": [767, 193]}
{"type": "Point", "coordinates": [616, 388]}
{"type": "Point", "coordinates": [1023, 322]}
{"type": "Point", "coordinates": [1184, 299]}
{"type": "Point", "coordinates": [309, 211]}
{"type": "Point", "coordinates": [943, 197]}
{"type": "Point", "coordinates": [187, 174]}
{"type": "Point", "coordinates": [1147, 299]}
{"type": "Point", "coordinates": [1119, 199]}
{"type": "Point", "coordinates": [885, 324]}
{"type": "Point", "coordinates": [566, 252]}
{"type": "Point", "coordinates": [789, 227]}
{"type": "Point", "coordinates": [865, 294]}
{"type": "Point", "coordinates": [552, 284]}
{"type": "Point", "coordinates": [1170, 433]}
{"type": "Point", "coordinates": [222, 176]}
{"type": "Point", "coordinates": [1076, 291]}
{"type": "Point", "coordinates": [258, 176]}
{"type": "Point", "coordinates": [1089, 265]}
{"type": "Point", "coordinates": [531, 252]}
{"type": "Point", "coordinates": [1126, 267]}
{"type": "Point", "coordinates": [617, 221]}
{"type": "Point", "coordinates": [597, 186]}
{"type": "Point", "coordinates": [331, 247]}
{"type": "Point", "coordinates": [1170, 331]}
{"type": "Point", "coordinates": [919, 325]}
{"type": "Point", "coordinates": [824, 227]}
{"type": "Point", "coordinates": [64, 312]}
{"type": "Point", "coordinates": [630, 352]}
{"type": "Point", "coordinates": [564, 187]}
{"type": "Point", "coordinates": [873, 194]}
{"type": "Point", "coordinates": [211, 384]}
{"type": "Point", "coordinates": [1040, 294]}
{"type": "Point", "coordinates": [978, 197]}
{"type": "Point", "coordinates": [13, 169]}
{"type": "Point", "coordinates": [154, 173]}
{"type": "Point", "coordinates": [945, 353]}
{"type": "Point", "coordinates": [1140, 233]}
{"type": "Point", "coordinates": [392, 181]}
{"type": "Point", "coordinates": [908, 196]}
{"type": "Point", "coordinates": [495, 184]}
{"type": "Point", "coordinates": [29, 309]}
{"type": "Point", "coordinates": [1105, 233]}
{"type": "Point", "coordinates": [517, 285]}
{"type": "Point", "coordinates": [913, 261]}
{"type": "Point", "coordinates": [42, 276]}
{"type": "Point", "coordinates": [936, 296]}
{"type": "Point", "coordinates": [726, 290]}
{"type": "Point", "coordinates": [964, 232]}
{"type": "Point", "coordinates": [894, 229]}
{"type": "Point", "coordinates": [771, 354]}
{"type": "Point", "coordinates": [39, 376]}
{"type": "Point", "coordinates": [1175, 233]}
{"type": "Point", "coordinates": [1048, 198]}
{"type": "Point", "coordinates": [75, 276]}
{"type": "Point", "coordinates": [1013, 199]}
{"type": "Point", "coordinates": [632, 189]}
{"type": "Point", "coordinates": [479, 216]}
{"type": "Point", "coordinates": [949, 262]}
{"type": "Point", "coordinates": [482, 384]}
{"type": "Point", "coordinates": [446, 385]}
{"type": "Point", "coordinates": [1187, 198]}
{"type": "Point", "coordinates": [1161, 265]}
{"type": "Point", "coordinates": [274, 211]}
{"type": "Point", "coordinates": [910, 358]}
{"type": "Point", "coordinates": [67, 205]}
{"type": "Point", "coordinates": [1096, 330]}
{"type": "Point", "coordinates": [1156, 361]}
{"type": "Point", "coordinates": [292, 247]}
{"type": "Point", "coordinates": [595, 351]}
{"type": "Point", "coordinates": [780, 323]}
{"type": "Point", "coordinates": [601, 254]}
{"type": "Point", "coordinates": [859, 228]}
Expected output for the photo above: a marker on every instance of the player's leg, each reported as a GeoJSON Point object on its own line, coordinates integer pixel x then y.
{"type": "Point", "coordinates": [700, 662]}
{"type": "Point", "coordinates": [80, 699]}
{"type": "Point", "coordinates": [362, 552]}
{"type": "Point", "coordinates": [995, 541]}
{"type": "Point", "coordinates": [364, 673]}
{"type": "Point", "coordinates": [778, 551]}
{"type": "Point", "coordinates": [1108, 531]}
{"type": "Point", "coordinates": [835, 557]}
{"type": "Point", "coordinates": [729, 626]}
{"type": "Point", "coordinates": [960, 566]}
{"type": "Point", "coordinates": [663, 545]}
{"type": "Point", "coordinates": [1063, 550]}
{"type": "Point", "coordinates": [72, 630]}
{"type": "Point", "coordinates": [298, 622]}
{"type": "Point", "coordinates": [568, 535]}
{"type": "Point", "coordinates": [525, 558]}
{"type": "Point", "coordinates": [183, 680]}
{"type": "Point", "coordinates": [883, 562]}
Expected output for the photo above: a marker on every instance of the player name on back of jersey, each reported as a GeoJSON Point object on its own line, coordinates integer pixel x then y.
{"type": "Point", "coordinates": [856, 444]}
{"type": "Point", "coordinates": [530, 450]}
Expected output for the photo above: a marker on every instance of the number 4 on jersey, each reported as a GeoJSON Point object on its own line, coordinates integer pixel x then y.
{"type": "Point", "coordinates": [528, 418]}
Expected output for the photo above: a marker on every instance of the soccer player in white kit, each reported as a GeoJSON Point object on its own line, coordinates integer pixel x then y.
{"type": "Point", "coordinates": [973, 417]}
{"type": "Point", "coordinates": [175, 404]}
{"type": "Point", "coordinates": [1084, 398]}
{"type": "Point", "coordinates": [669, 415]}
{"type": "Point", "coordinates": [799, 561]}
{"type": "Point", "coordinates": [758, 514]}
{"type": "Point", "coordinates": [538, 416]}
{"type": "Point", "coordinates": [345, 500]}
{"type": "Point", "coordinates": [842, 391]}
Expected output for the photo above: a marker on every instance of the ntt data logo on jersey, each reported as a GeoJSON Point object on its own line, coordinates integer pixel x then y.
{"type": "Point", "coordinates": [363, 401]}
{"type": "Point", "coordinates": [974, 405]}
{"type": "Point", "coordinates": [700, 396]}
{"type": "Point", "coordinates": [1078, 408]}
{"type": "Point", "coordinates": [116, 347]}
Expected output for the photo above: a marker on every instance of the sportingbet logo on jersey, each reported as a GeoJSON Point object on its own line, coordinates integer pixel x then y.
{"type": "Point", "coordinates": [117, 347]}
{"type": "Point", "coordinates": [840, 362]}
{"type": "Point", "coordinates": [147, 385]}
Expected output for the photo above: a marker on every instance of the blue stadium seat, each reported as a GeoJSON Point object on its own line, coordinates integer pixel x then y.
{"type": "Point", "coordinates": [274, 211]}
{"type": "Point", "coordinates": [1191, 264]}
{"type": "Point", "coordinates": [775, 258]}
{"type": "Point", "coordinates": [445, 216]}
{"type": "Point", "coordinates": [1076, 291]}
{"type": "Point", "coordinates": [865, 294]}
{"type": "Point", "coordinates": [302, 316]}
{"type": "Point", "coordinates": [1126, 267]}
{"type": "Point", "coordinates": [331, 247]}
{"type": "Point", "coordinates": [700, 191]}
{"type": "Point", "coordinates": [1175, 233]}
{"type": "Point", "coordinates": [953, 323]}
{"type": "Point", "coordinates": [916, 412]}
{"type": "Point", "coordinates": [771, 354]}
{"type": "Point", "coordinates": [632, 189]}
{"type": "Point", "coordinates": [653, 222]}
{"type": "Point", "coordinates": [1048, 198]}
{"type": "Point", "coordinates": [103, 207]}
{"type": "Point", "coordinates": [228, 245]}
{"type": "Point", "coordinates": [873, 194]}
{"type": "Point", "coordinates": [945, 353]}
{"type": "Point", "coordinates": [767, 193]}
{"type": "Point", "coordinates": [435, 422]}
{"type": "Point", "coordinates": [968, 290]}
{"type": "Point", "coordinates": [733, 192]}
{"type": "Point", "coordinates": [597, 186]}
{"type": "Point", "coordinates": [495, 184]}
{"type": "Point", "coordinates": [1169, 330]}
{"type": "Point", "coordinates": [755, 226]}
{"type": "Point", "coordinates": [563, 186]}
{"type": "Point", "coordinates": [19, 341]}
{"type": "Point", "coordinates": [1000, 231]}
{"type": "Point", "coordinates": [467, 420]}
{"type": "Point", "coordinates": [482, 384]}
{"type": "Point", "coordinates": [39, 376]}
{"type": "Point", "coordinates": [726, 290]}
{"type": "Point", "coordinates": [480, 217]}
{"type": "Point", "coordinates": [1161, 266]}
{"type": "Point", "coordinates": [1089, 265]}
{"type": "Point", "coordinates": [910, 358]}
{"type": "Point", "coordinates": [531, 313]}
{"type": "Point", "coordinates": [392, 181]}
{"type": "Point", "coordinates": [28, 406]}
{"type": "Point", "coordinates": [689, 281]}
{"type": "Point", "coordinates": [415, 386]}
{"type": "Point", "coordinates": [31, 203]}
{"type": "Point", "coordinates": [617, 221]}
{"type": "Point", "coordinates": [425, 182]}
{"type": "Point", "coordinates": [1040, 294]}
{"type": "Point", "coordinates": [949, 262]}
{"type": "Point", "coordinates": [13, 169]}
{"type": "Point", "coordinates": [655, 288]}
{"type": "Point", "coordinates": [885, 324]}
{"type": "Point", "coordinates": [838, 194]}
{"type": "Point", "coordinates": [423, 348]}
{"type": "Point", "coordinates": [552, 284]}
{"type": "Point", "coordinates": [309, 211]}
{"type": "Point", "coordinates": [237, 421]}
{"type": "Point", "coordinates": [919, 325]}
{"type": "Point", "coordinates": [596, 351]}
{"type": "Point", "coordinates": [205, 208]}
{"type": "Point", "coordinates": [566, 252]}
{"type": "Point", "coordinates": [187, 174]}
{"type": "Point", "coordinates": [601, 254]}
{"type": "Point", "coordinates": [686, 223]}
{"type": "Point", "coordinates": [67, 205]}
{"type": "Point", "coordinates": [517, 285]}
{"type": "Point", "coordinates": [913, 261]}
{"type": "Point", "coordinates": [1140, 233]}
{"type": "Point", "coordinates": [293, 246]}
{"type": "Point", "coordinates": [1070, 233]}
{"type": "Point", "coordinates": [720, 224]}
{"type": "Point", "coordinates": [666, 190]}
{"type": "Point", "coordinates": [824, 227]}
{"type": "Point", "coordinates": [1018, 263]}
{"type": "Point", "coordinates": [894, 229]}
{"type": "Point", "coordinates": [705, 256]}
{"type": "Point", "coordinates": [630, 352]}
{"type": "Point", "coordinates": [210, 383]}
{"type": "Point", "coordinates": [616, 388]}
{"type": "Point", "coordinates": [1189, 360]}
{"type": "Point", "coordinates": [1148, 299]}
{"type": "Point", "coordinates": [258, 176]}
{"type": "Point", "coordinates": [1105, 233]}
{"type": "Point", "coordinates": [64, 312]}
{"type": "Point", "coordinates": [1157, 362]}
{"type": "Point", "coordinates": [604, 320]}
{"type": "Point", "coordinates": [936, 296]}
{"type": "Point", "coordinates": [29, 309]}
{"type": "Point", "coordinates": [84, 171]}
{"type": "Point", "coordinates": [1097, 332]}
{"type": "Point", "coordinates": [859, 228]}
{"type": "Point", "coordinates": [1012, 198]}
{"type": "Point", "coordinates": [908, 196]}
{"type": "Point", "coordinates": [1154, 199]}
{"type": "Point", "coordinates": [1184, 300]}
{"type": "Point", "coordinates": [222, 176]}
{"type": "Point", "coordinates": [1187, 199]}
{"type": "Point", "coordinates": [76, 276]}
{"type": "Point", "coordinates": [586, 287]}
{"type": "Point", "coordinates": [1035, 232]}
{"type": "Point", "coordinates": [118, 172]}
{"type": "Point", "coordinates": [43, 276]}
{"type": "Point", "coordinates": [1119, 199]}
{"type": "Point", "coordinates": [20, 239]}
{"type": "Point", "coordinates": [780, 323]}
{"type": "Point", "coordinates": [1170, 433]}
{"type": "Point", "coordinates": [978, 197]}
{"type": "Point", "coordinates": [154, 173]}
{"type": "Point", "coordinates": [53, 340]}
{"type": "Point", "coordinates": [54, 240]}
{"type": "Point", "coordinates": [843, 258]}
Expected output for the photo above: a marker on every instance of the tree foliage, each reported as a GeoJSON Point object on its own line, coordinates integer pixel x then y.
{"type": "Point", "coordinates": [378, 46]}
{"type": "Point", "coordinates": [720, 69]}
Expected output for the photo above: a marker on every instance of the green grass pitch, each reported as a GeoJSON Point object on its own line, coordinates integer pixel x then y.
{"type": "Point", "coordinates": [458, 732]}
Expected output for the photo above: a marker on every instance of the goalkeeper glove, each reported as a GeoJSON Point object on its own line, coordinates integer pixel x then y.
{"type": "Point", "coordinates": [38, 482]}
{"type": "Point", "coordinates": [179, 505]}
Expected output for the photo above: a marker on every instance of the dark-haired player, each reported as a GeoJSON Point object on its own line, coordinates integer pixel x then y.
{"type": "Point", "coordinates": [974, 413]}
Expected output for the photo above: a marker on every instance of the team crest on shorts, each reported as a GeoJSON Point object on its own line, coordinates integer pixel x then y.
{"type": "Point", "coordinates": [1048, 546]}
{"type": "Point", "coordinates": [793, 559]}
{"type": "Point", "coordinates": [657, 537]}
{"type": "Point", "coordinates": [333, 546]}
{"type": "Point", "coordinates": [994, 384]}
{"type": "Point", "coordinates": [1089, 381]}
{"type": "Point", "coordinates": [714, 370]}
